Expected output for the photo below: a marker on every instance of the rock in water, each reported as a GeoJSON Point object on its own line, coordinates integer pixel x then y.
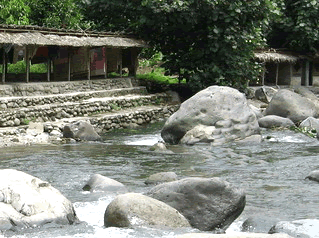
{"type": "Point", "coordinates": [216, 114]}
{"type": "Point", "coordinates": [299, 228]}
{"type": "Point", "coordinates": [291, 105]}
{"type": "Point", "coordinates": [98, 182]}
{"type": "Point", "coordinates": [27, 201]}
{"type": "Point", "coordinates": [133, 209]}
{"type": "Point", "coordinates": [80, 130]}
{"type": "Point", "coordinates": [207, 203]}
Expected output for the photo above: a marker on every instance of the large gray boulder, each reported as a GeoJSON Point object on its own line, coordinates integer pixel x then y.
{"type": "Point", "coordinates": [304, 228]}
{"type": "Point", "coordinates": [291, 105]}
{"type": "Point", "coordinates": [272, 121]}
{"type": "Point", "coordinates": [100, 183]}
{"type": "Point", "coordinates": [220, 114]}
{"type": "Point", "coordinates": [133, 209]}
{"type": "Point", "coordinates": [207, 203]}
{"type": "Point", "coordinates": [80, 130]}
{"type": "Point", "coordinates": [27, 201]}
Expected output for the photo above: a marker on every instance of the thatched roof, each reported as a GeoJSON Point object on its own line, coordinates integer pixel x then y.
{"type": "Point", "coordinates": [30, 35]}
{"type": "Point", "coordinates": [275, 57]}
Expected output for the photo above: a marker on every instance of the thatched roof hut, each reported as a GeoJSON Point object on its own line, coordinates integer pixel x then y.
{"type": "Point", "coordinates": [40, 36]}
{"type": "Point", "coordinates": [275, 57]}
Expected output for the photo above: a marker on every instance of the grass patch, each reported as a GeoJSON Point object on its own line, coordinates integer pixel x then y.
{"type": "Point", "coordinates": [20, 67]}
{"type": "Point", "coordinates": [157, 75]}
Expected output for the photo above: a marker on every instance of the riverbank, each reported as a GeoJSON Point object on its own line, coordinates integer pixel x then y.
{"type": "Point", "coordinates": [36, 113]}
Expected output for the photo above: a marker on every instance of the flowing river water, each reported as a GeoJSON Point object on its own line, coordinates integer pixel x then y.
{"type": "Point", "coordinates": [272, 173]}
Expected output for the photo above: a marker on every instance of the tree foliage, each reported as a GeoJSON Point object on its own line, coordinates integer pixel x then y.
{"type": "Point", "coordinates": [14, 12]}
{"type": "Point", "coordinates": [49, 13]}
{"type": "Point", "coordinates": [55, 13]}
{"type": "Point", "coordinates": [206, 41]}
{"type": "Point", "coordinates": [297, 28]}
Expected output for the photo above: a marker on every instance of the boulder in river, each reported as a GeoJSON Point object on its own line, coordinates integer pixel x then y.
{"type": "Point", "coordinates": [207, 203]}
{"type": "Point", "coordinates": [27, 201]}
{"type": "Point", "coordinates": [216, 114]}
{"type": "Point", "coordinates": [272, 121]}
{"type": "Point", "coordinates": [80, 130]}
{"type": "Point", "coordinates": [298, 228]}
{"type": "Point", "coordinates": [161, 177]}
{"type": "Point", "coordinates": [291, 105]}
{"type": "Point", "coordinates": [98, 182]}
{"type": "Point", "coordinates": [134, 209]}
{"type": "Point", "coordinates": [313, 175]}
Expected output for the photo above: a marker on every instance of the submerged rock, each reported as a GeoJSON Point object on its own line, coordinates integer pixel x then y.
{"type": "Point", "coordinates": [300, 228]}
{"type": "Point", "coordinates": [27, 201]}
{"type": "Point", "coordinates": [161, 178]}
{"type": "Point", "coordinates": [313, 175]}
{"type": "Point", "coordinates": [98, 182]}
{"type": "Point", "coordinates": [216, 114]}
{"type": "Point", "coordinates": [133, 209]}
{"type": "Point", "coordinates": [207, 203]}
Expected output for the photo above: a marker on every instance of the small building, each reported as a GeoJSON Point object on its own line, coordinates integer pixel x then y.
{"type": "Point", "coordinates": [68, 54]}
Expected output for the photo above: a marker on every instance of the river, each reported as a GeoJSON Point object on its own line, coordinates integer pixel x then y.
{"type": "Point", "coordinates": [272, 174]}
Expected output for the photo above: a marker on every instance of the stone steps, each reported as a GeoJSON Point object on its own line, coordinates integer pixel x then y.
{"type": "Point", "coordinates": [28, 101]}
{"type": "Point", "coordinates": [104, 98]}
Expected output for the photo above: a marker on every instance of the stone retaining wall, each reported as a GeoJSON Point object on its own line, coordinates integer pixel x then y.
{"type": "Point", "coordinates": [132, 119]}
{"type": "Point", "coordinates": [51, 112]}
{"type": "Point", "coordinates": [47, 88]}
{"type": "Point", "coordinates": [27, 101]}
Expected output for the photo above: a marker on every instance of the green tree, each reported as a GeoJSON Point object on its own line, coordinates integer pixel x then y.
{"type": "Point", "coordinates": [297, 28]}
{"type": "Point", "coordinates": [14, 12]}
{"type": "Point", "coordinates": [206, 41]}
{"type": "Point", "coordinates": [55, 13]}
{"type": "Point", "coordinates": [112, 15]}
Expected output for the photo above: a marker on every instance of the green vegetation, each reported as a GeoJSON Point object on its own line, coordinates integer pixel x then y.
{"type": "Point", "coordinates": [305, 130]}
{"type": "Point", "coordinates": [157, 75]}
{"type": "Point", "coordinates": [20, 67]}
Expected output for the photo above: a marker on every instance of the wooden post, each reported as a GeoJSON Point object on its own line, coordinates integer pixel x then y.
{"type": "Point", "coordinates": [277, 71]}
{"type": "Point", "coordinates": [49, 69]}
{"type": "Point", "coordinates": [121, 66]}
{"type": "Point", "coordinates": [307, 74]}
{"type": "Point", "coordinates": [27, 59]}
{"type": "Point", "coordinates": [105, 63]}
{"type": "Point", "coordinates": [89, 63]}
{"type": "Point", "coordinates": [4, 68]}
{"type": "Point", "coordinates": [69, 68]}
{"type": "Point", "coordinates": [263, 76]}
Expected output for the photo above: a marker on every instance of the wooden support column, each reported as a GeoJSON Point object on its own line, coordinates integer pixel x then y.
{"type": "Point", "coordinates": [69, 65]}
{"type": "Point", "coordinates": [263, 76]}
{"type": "Point", "coordinates": [307, 73]}
{"type": "Point", "coordinates": [105, 63]}
{"type": "Point", "coordinates": [89, 63]}
{"type": "Point", "coordinates": [49, 69]}
{"type": "Point", "coordinates": [4, 66]}
{"type": "Point", "coordinates": [27, 61]}
{"type": "Point", "coordinates": [120, 62]}
{"type": "Point", "coordinates": [277, 72]}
